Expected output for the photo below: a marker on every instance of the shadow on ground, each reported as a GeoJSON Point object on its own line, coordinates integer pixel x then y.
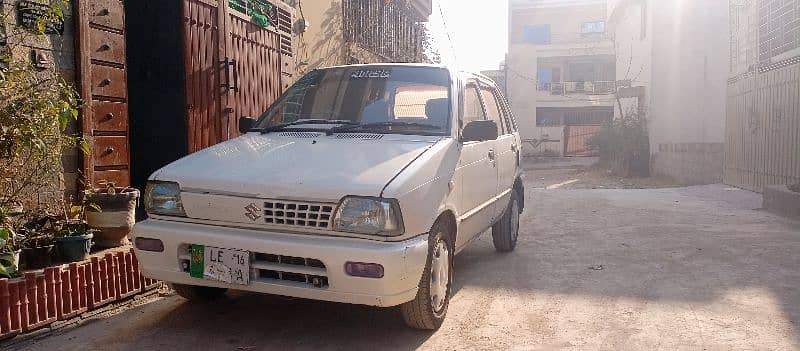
{"type": "Point", "coordinates": [641, 266]}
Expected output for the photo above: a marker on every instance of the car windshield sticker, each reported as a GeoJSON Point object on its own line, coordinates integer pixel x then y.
{"type": "Point", "coordinates": [371, 73]}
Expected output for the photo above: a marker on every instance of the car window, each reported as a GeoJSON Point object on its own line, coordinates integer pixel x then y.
{"type": "Point", "coordinates": [473, 110]}
{"type": "Point", "coordinates": [493, 108]}
{"type": "Point", "coordinates": [507, 121]}
{"type": "Point", "coordinates": [507, 114]}
{"type": "Point", "coordinates": [421, 102]}
{"type": "Point", "coordinates": [404, 99]}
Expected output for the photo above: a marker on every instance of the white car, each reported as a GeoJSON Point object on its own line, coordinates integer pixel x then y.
{"type": "Point", "coordinates": [358, 185]}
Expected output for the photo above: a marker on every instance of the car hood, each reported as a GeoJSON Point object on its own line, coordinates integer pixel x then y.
{"type": "Point", "coordinates": [296, 166]}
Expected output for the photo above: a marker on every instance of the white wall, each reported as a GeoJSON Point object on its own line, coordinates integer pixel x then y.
{"type": "Point", "coordinates": [682, 61]}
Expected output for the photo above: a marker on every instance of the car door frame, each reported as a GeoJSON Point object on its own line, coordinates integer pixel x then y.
{"type": "Point", "coordinates": [478, 211]}
{"type": "Point", "coordinates": [506, 149]}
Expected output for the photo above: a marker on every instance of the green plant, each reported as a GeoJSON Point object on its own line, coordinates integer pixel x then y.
{"type": "Point", "coordinates": [36, 107]}
{"type": "Point", "coordinates": [795, 187]}
{"type": "Point", "coordinates": [37, 231]}
{"type": "Point", "coordinates": [74, 221]}
{"type": "Point", "coordinates": [624, 143]}
{"type": "Point", "coordinates": [8, 246]}
{"type": "Point", "coordinates": [73, 228]}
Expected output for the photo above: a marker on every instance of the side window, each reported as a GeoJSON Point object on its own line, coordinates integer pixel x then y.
{"type": "Point", "coordinates": [473, 111]}
{"type": "Point", "coordinates": [493, 108]}
{"type": "Point", "coordinates": [507, 115]}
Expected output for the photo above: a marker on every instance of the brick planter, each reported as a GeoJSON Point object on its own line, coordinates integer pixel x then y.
{"type": "Point", "coordinates": [63, 292]}
{"type": "Point", "coordinates": [780, 200]}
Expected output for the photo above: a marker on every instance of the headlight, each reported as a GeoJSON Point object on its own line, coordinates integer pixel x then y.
{"type": "Point", "coordinates": [163, 198]}
{"type": "Point", "coordinates": [364, 215]}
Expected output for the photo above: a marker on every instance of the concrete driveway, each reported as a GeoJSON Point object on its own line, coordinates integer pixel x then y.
{"type": "Point", "coordinates": [688, 268]}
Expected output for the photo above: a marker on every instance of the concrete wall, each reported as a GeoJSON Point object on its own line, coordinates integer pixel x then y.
{"type": "Point", "coordinates": [60, 51]}
{"type": "Point", "coordinates": [322, 44]}
{"type": "Point", "coordinates": [680, 53]}
{"type": "Point", "coordinates": [549, 141]}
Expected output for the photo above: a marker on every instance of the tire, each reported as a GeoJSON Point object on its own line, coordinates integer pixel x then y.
{"type": "Point", "coordinates": [199, 293]}
{"type": "Point", "coordinates": [506, 232]}
{"type": "Point", "coordinates": [429, 308]}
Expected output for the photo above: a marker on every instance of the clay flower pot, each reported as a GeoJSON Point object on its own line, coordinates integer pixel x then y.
{"type": "Point", "coordinates": [114, 222]}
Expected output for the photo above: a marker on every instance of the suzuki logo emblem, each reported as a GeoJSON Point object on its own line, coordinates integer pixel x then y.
{"type": "Point", "coordinates": [253, 212]}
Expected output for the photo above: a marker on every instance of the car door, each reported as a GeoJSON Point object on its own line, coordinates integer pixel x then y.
{"type": "Point", "coordinates": [477, 171]}
{"type": "Point", "coordinates": [505, 150]}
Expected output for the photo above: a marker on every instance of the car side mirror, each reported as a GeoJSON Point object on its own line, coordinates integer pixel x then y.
{"type": "Point", "coordinates": [246, 124]}
{"type": "Point", "coordinates": [479, 131]}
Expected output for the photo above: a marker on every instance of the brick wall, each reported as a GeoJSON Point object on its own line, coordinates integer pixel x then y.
{"type": "Point", "coordinates": [690, 163]}
{"type": "Point", "coordinates": [59, 50]}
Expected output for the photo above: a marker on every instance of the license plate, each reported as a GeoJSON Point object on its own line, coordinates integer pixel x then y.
{"type": "Point", "coordinates": [225, 265]}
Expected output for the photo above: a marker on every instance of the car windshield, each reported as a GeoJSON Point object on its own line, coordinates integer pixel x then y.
{"type": "Point", "coordinates": [375, 99]}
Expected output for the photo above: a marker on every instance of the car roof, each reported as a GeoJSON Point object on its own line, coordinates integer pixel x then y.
{"type": "Point", "coordinates": [460, 73]}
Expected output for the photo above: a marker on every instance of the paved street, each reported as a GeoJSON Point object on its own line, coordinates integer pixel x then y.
{"type": "Point", "coordinates": [689, 268]}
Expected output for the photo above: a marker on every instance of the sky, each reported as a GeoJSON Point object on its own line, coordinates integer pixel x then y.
{"type": "Point", "coordinates": [478, 29]}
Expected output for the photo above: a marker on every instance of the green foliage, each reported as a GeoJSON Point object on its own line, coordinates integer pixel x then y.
{"type": "Point", "coordinates": [795, 187]}
{"type": "Point", "coordinates": [36, 108]}
{"type": "Point", "coordinates": [8, 247]}
{"type": "Point", "coordinates": [624, 145]}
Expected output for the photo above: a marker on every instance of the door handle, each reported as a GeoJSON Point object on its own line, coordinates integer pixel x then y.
{"type": "Point", "coordinates": [235, 65]}
{"type": "Point", "coordinates": [226, 64]}
{"type": "Point", "coordinates": [492, 155]}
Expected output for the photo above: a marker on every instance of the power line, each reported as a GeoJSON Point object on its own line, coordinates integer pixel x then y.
{"type": "Point", "coordinates": [447, 31]}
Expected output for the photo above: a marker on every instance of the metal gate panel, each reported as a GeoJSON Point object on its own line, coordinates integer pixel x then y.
{"type": "Point", "coordinates": [204, 92]}
{"type": "Point", "coordinates": [256, 69]}
{"type": "Point", "coordinates": [577, 138]}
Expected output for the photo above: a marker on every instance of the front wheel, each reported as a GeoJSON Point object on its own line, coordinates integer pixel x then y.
{"type": "Point", "coordinates": [506, 231]}
{"type": "Point", "coordinates": [429, 307]}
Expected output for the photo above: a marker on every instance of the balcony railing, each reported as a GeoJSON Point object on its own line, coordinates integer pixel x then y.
{"type": "Point", "coordinates": [572, 88]}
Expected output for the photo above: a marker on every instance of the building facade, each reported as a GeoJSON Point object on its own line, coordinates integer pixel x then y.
{"type": "Point", "coordinates": [762, 142]}
{"type": "Point", "coordinates": [560, 73]}
{"type": "Point", "coordinates": [339, 32]}
{"type": "Point", "coordinates": [671, 66]}
{"type": "Point", "coordinates": [499, 77]}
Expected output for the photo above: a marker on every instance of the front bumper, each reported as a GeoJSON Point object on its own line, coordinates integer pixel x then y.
{"type": "Point", "coordinates": [403, 262]}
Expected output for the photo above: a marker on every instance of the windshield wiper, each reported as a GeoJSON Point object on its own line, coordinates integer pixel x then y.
{"type": "Point", "coordinates": [306, 121]}
{"type": "Point", "coordinates": [383, 125]}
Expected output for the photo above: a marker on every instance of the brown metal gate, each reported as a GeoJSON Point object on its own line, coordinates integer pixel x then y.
{"type": "Point", "coordinates": [577, 138]}
{"type": "Point", "coordinates": [234, 67]}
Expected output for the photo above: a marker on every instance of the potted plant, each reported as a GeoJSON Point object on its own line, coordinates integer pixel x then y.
{"type": "Point", "coordinates": [114, 214]}
{"type": "Point", "coordinates": [73, 241]}
{"type": "Point", "coordinates": [35, 238]}
{"type": "Point", "coordinates": [9, 254]}
{"type": "Point", "coordinates": [74, 237]}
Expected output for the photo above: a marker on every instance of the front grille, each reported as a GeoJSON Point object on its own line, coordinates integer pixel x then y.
{"type": "Point", "coordinates": [308, 271]}
{"type": "Point", "coordinates": [299, 214]}
{"type": "Point", "coordinates": [271, 268]}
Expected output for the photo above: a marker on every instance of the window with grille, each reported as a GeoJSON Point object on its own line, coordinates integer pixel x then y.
{"type": "Point", "coordinates": [779, 27]}
{"type": "Point", "coordinates": [391, 29]}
